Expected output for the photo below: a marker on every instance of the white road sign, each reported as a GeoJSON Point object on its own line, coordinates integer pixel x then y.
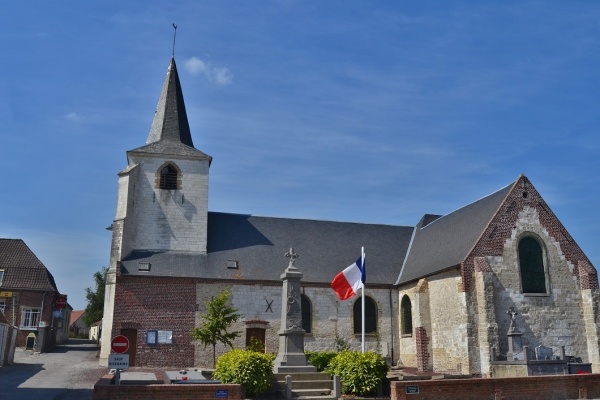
{"type": "Point", "coordinates": [118, 361]}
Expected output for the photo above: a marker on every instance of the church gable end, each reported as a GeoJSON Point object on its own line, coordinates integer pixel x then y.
{"type": "Point", "coordinates": [529, 262]}
{"type": "Point", "coordinates": [524, 212]}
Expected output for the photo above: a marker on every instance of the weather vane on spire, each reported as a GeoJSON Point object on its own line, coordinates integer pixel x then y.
{"type": "Point", "coordinates": [174, 35]}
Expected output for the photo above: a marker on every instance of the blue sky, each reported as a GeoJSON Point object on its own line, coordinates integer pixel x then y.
{"type": "Point", "coordinates": [340, 110]}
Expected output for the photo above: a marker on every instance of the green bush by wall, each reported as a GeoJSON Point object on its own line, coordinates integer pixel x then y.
{"type": "Point", "coordinates": [360, 373]}
{"type": "Point", "coordinates": [248, 368]}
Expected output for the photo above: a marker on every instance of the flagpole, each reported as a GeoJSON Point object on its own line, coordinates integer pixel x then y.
{"type": "Point", "coordinates": [362, 258]}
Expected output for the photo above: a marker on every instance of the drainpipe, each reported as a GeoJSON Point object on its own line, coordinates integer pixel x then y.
{"type": "Point", "coordinates": [41, 346]}
{"type": "Point", "coordinates": [42, 312]}
{"type": "Point", "coordinates": [392, 325]}
{"type": "Point", "coordinates": [13, 309]}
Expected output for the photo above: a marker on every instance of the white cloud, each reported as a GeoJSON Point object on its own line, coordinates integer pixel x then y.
{"type": "Point", "coordinates": [218, 75]}
{"type": "Point", "coordinates": [196, 66]}
{"type": "Point", "coordinates": [223, 76]}
{"type": "Point", "coordinates": [72, 116]}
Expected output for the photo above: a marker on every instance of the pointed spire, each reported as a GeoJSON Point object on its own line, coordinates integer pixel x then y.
{"type": "Point", "coordinates": [170, 119]}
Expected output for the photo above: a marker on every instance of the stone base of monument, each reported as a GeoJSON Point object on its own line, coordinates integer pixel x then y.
{"type": "Point", "coordinates": [291, 357]}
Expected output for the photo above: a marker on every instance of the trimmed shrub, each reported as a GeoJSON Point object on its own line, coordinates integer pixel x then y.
{"type": "Point", "coordinates": [248, 368]}
{"type": "Point", "coordinates": [320, 359]}
{"type": "Point", "coordinates": [360, 374]}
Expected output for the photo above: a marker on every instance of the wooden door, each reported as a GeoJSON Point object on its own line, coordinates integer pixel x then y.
{"type": "Point", "coordinates": [131, 334]}
{"type": "Point", "coordinates": [255, 339]}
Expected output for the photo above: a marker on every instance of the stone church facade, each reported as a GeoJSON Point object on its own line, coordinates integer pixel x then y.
{"type": "Point", "coordinates": [436, 293]}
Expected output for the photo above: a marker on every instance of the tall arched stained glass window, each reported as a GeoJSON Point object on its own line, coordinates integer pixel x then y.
{"type": "Point", "coordinates": [370, 315]}
{"type": "Point", "coordinates": [306, 313]}
{"type": "Point", "coordinates": [406, 315]}
{"type": "Point", "coordinates": [531, 263]}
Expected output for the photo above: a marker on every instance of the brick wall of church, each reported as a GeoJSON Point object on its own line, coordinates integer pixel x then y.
{"type": "Point", "coordinates": [155, 303]}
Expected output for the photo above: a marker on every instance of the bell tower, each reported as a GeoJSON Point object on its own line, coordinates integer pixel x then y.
{"type": "Point", "coordinates": [162, 201]}
{"type": "Point", "coordinates": [163, 192]}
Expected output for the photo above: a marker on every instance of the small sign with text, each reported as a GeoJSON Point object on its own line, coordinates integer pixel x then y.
{"type": "Point", "coordinates": [118, 361]}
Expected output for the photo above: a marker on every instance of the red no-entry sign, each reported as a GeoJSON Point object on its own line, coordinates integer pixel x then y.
{"type": "Point", "coordinates": [120, 344]}
{"type": "Point", "coordinates": [61, 302]}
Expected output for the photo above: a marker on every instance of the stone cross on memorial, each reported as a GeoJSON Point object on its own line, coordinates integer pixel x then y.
{"type": "Point", "coordinates": [291, 357]}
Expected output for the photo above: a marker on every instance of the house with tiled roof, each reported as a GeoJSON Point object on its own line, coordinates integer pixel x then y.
{"type": "Point", "coordinates": [437, 293]}
{"type": "Point", "coordinates": [77, 326]}
{"type": "Point", "coordinates": [28, 295]}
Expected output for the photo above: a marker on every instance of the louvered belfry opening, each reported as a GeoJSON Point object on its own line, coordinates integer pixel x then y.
{"type": "Point", "coordinates": [168, 178]}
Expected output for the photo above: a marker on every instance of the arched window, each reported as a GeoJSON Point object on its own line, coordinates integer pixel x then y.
{"type": "Point", "coordinates": [370, 315]}
{"type": "Point", "coordinates": [531, 262]}
{"type": "Point", "coordinates": [306, 313]}
{"type": "Point", "coordinates": [168, 177]}
{"type": "Point", "coordinates": [406, 315]}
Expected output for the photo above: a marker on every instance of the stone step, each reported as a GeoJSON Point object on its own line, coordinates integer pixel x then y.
{"type": "Point", "coordinates": [303, 376]}
{"type": "Point", "coordinates": [320, 384]}
{"type": "Point", "coordinates": [314, 394]}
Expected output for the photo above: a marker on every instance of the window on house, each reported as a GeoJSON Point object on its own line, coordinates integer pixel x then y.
{"type": "Point", "coordinates": [30, 318]}
{"type": "Point", "coordinates": [306, 313]}
{"type": "Point", "coordinates": [406, 314]}
{"type": "Point", "coordinates": [2, 306]}
{"type": "Point", "coordinates": [531, 262]}
{"type": "Point", "coordinates": [1, 276]}
{"type": "Point", "coordinates": [370, 315]}
{"type": "Point", "coordinates": [168, 177]}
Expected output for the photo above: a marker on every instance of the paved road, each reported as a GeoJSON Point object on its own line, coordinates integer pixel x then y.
{"type": "Point", "coordinates": [67, 373]}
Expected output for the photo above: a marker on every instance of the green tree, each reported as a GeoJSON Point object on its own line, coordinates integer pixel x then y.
{"type": "Point", "coordinates": [220, 315]}
{"type": "Point", "coordinates": [95, 298]}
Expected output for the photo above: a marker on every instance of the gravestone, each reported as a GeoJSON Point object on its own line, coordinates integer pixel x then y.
{"type": "Point", "coordinates": [543, 353]}
{"type": "Point", "coordinates": [291, 357]}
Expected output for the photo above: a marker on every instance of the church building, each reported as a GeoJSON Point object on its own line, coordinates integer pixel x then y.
{"type": "Point", "coordinates": [437, 293]}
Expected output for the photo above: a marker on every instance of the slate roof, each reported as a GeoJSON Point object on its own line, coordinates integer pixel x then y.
{"type": "Point", "coordinates": [441, 243]}
{"type": "Point", "coordinates": [22, 269]}
{"type": "Point", "coordinates": [170, 131]}
{"type": "Point", "coordinates": [259, 244]}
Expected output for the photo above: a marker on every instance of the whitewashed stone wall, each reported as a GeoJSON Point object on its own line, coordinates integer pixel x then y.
{"type": "Point", "coordinates": [484, 320]}
{"type": "Point", "coordinates": [408, 347]}
{"type": "Point", "coordinates": [330, 317]}
{"type": "Point", "coordinates": [449, 324]}
{"type": "Point", "coordinates": [173, 220]}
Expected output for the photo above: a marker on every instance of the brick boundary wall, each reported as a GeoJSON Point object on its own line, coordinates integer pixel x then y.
{"type": "Point", "coordinates": [525, 388]}
{"type": "Point", "coordinates": [105, 389]}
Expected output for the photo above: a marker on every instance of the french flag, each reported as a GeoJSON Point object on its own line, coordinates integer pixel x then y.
{"type": "Point", "coordinates": [346, 283]}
